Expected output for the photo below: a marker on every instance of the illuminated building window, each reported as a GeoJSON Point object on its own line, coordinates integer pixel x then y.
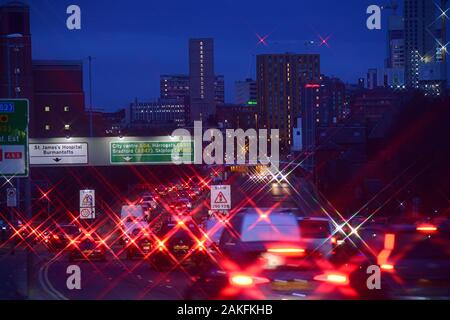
{"type": "Point", "coordinates": [47, 127]}
{"type": "Point", "coordinates": [47, 108]}
{"type": "Point", "coordinates": [66, 109]}
{"type": "Point", "coordinates": [67, 127]}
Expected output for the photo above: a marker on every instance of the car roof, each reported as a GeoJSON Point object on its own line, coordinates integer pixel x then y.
{"type": "Point", "coordinates": [313, 219]}
{"type": "Point", "coordinates": [293, 211]}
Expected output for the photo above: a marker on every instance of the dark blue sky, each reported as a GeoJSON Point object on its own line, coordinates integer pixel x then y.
{"type": "Point", "coordinates": [134, 41]}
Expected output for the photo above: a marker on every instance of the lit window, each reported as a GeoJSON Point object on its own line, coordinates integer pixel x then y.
{"type": "Point", "coordinates": [67, 127]}
{"type": "Point", "coordinates": [47, 109]}
{"type": "Point", "coordinates": [47, 127]}
{"type": "Point", "coordinates": [66, 109]}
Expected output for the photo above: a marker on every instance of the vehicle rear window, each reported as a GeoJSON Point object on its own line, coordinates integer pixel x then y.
{"type": "Point", "coordinates": [276, 228]}
{"type": "Point", "coordinates": [310, 229]}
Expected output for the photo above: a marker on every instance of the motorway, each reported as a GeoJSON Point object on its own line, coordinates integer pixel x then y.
{"type": "Point", "coordinates": [121, 279]}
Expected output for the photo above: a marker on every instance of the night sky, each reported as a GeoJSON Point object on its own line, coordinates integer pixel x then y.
{"type": "Point", "coordinates": [133, 42]}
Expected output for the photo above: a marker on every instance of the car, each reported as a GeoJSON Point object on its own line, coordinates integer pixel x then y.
{"type": "Point", "coordinates": [26, 233]}
{"type": "Point", "coordinates": [133, 218]}
{"type": "Point", "coordinates": [88, 246]}
{"type": "Point", "coordinates": [148, 201]}
{"type": "Point", "coordinates": [275, 254]}
{"type": "Point", "coordinates": [161, 190]}
{"type": "Point", "coordinates": [140, 246]}
{"type": "Point", "coordinates": [196, 190]}
{"type": "Point", "coordinates": [186, 195]}
{"type": "Point", "coordinates": [179, 244]}
{"type": "Point", "coordinates": [418, 260]}
{"type": "Point", "coordinates": [181, 206]}
{"type": "Point", "coordinates": [60, 237]}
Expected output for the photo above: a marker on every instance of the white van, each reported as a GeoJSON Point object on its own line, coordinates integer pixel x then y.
{"type": "Point", "coordinates": [133, 218]}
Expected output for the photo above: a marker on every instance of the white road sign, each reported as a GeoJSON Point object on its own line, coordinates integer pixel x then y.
{"type": "Point", "coordinates": [221, 197]}
{"type": "Point", "coordinates": [87, 213]}
{"type": "Point", "coordinates": [87, 204]}
{"type": "Point", "coordinates": [58, 153]}
{"type": "Point", "coordinates": [87, 198]}
{"type": "Point", "coordinates": [11, 197]}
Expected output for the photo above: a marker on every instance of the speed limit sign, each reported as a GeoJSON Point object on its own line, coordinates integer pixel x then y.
{"type": "Point", "coordinates": [87, 213]}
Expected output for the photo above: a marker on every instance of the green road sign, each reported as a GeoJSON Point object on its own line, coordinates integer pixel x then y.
{"type": "Point", "coordinates": [14, 138]}
{"type": "Point", "coordinates": [151, 152]}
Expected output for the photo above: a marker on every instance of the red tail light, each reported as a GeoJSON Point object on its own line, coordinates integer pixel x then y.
{"type": "Point", "coordinates": [161, 246]}
{"type": "Point", "coordinates": [56, 237]}
{"type": "Point", "coordinates": [245, 281]}
{"type": "Point", "coordinates": [287, 251]}
{"type": "Point", "coordinates": [333, 240]}
{"type": "Point", "coordinates": [333, 278]}
{"type": "Point", "coordinates": [201, 246]}
{"type": "Point", "coordinates": [427, 228]}
{"type": "Point", "coordinates": [387, 267]}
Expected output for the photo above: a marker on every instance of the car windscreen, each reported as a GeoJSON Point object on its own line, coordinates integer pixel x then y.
{"type": "Point", "coordinates": [274, 228]}
{"type": "Point", "coordinates": [314, 229]}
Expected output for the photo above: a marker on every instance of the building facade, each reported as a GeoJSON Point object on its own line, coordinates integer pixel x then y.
{"type": "Point", "coordinates": [333, 105]}
{"type": "Point", "coordinates": [281, 79]}
{"type": "Point", "coordinates": [177, 86]}
{"type": "Point", "coordinates": [16, 77]}
{"type": "Point", "coordinates": [201, 79]}
{"type": "Point", "coordinates": [236, 116]}
{"type": "Point", "coordinates": [424, 37]}
{"type": "Point", "coordinates": [174, 86]}
{"type": "Point", "coordinates": [163, 114]}
{"type": "Point", "coordinates": [58, 109]}
{"type": "Point", "coordinates": [245, 92]}
{"type": "Point", "coordinates": [396, 43]}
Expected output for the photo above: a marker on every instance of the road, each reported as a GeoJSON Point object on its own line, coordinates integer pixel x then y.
{"type": "Point", "coordinates": [121, 279]}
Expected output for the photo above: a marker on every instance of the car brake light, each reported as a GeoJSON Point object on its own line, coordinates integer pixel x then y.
{"type": "Point", "coordinates": [333, 278]}
{"type": "Point", "coordinates": [201, 246]}
{"type": "Point", "coordinates": [426, 228]}
{"type": "Point", "coordinates": [286, 250]}
{"type": "Point", "coordinates": [387, 267]}
{"type": "Point", "coordinates": [242, 280]}
{"type": "Point", "coordinates": [56, 237]}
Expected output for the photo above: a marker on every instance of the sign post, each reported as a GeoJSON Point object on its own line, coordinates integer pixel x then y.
{"type": "Point", "coordinates": [87, 204]}
{"type": "Point", "coordinates": [14, 138]}
{"type": "Point", "coordinates": [221, 197]}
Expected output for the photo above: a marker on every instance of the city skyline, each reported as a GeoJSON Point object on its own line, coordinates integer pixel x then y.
{"type": "Point", "coordinates": [166, 51]}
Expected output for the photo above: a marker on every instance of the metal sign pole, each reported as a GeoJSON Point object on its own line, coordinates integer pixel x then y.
{"type": "Point", "coordinates": [29, 215]}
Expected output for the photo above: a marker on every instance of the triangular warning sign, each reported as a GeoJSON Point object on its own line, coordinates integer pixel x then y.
{"type": "Point", "coordinates": [221, 198]}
